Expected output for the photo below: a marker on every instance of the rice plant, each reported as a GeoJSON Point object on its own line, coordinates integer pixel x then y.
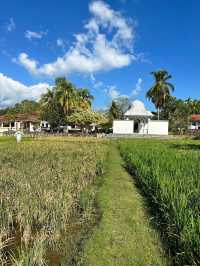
{"type": "Point", "coordinates": [42, 183]}
{"type": "Point", "coordinates": [169, 174]}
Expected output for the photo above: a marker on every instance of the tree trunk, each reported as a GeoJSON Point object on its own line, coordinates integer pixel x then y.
{"type": "Point", "coordinates": [158, 112]}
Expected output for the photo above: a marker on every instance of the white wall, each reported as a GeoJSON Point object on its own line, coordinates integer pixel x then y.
{"type": "Point", "coordinates": [194, 126]}
{"type": "Point", "coordinates": [158, 127]}
{"type": "Point", "coordinates": [123, 126]}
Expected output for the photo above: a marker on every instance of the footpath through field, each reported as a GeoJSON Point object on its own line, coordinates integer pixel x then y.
{"type": "Point", "coordinates": [124, 236]}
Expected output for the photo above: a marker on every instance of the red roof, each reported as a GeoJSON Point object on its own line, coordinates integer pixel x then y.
{"type": "Point", "coordinates": [33, 117]}
{"type": "Point", "coordinates": [195, 118]}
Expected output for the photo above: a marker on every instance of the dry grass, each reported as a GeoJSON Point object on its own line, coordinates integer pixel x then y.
{"type": "Point", "coordinates": [42, 200]}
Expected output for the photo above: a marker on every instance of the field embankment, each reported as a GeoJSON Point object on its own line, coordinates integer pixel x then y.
{"type": "Point", "coordinates": [169, 174]}
{"type": "Point", "coordinates": [47, 196]}
{"type": "Point", "coordinates": [124, 235]}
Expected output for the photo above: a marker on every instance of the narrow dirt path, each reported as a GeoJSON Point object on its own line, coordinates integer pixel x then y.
{"type": "Point", "coordinates": [124, 235]}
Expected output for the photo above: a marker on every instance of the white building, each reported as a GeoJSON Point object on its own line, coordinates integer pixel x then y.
{"type": "Point", "coordinates": [138, 120]}
{"type": "Point", "coordinates": [24, 122]}
{"type": "Point", "coordinates": [195, 123]}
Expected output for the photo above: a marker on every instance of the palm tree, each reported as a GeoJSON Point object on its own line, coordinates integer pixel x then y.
{"type": "Point", "coordinates": [48, 98]}
{"type": "Point", "coordinates": [161, 90]}
{"type": "Point", "coordinates": [67, 95]}
{"type": "Point", "coordinates": [85, 98]}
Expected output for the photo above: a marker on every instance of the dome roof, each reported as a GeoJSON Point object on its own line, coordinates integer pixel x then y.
{"type": "Point", "coordinates": [138, 109]}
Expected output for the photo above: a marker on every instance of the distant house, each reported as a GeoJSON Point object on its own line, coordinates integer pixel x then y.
{"type": "Point", "coordinates": [24, 122]}
{"type": "Point", "coordinates": [138, 120]}
{"type": "Point", "coordinates": [195, 122]}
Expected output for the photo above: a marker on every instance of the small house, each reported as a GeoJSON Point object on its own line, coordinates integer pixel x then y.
{"type": "Point", "coordinates": [138, 120]}
{"type": "Point", "coordinates": [195, 122]}
{"type": "Point", "coordinates": [24, 122]}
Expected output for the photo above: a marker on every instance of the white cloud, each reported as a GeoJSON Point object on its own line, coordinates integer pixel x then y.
{"type": "Point", "coordinates": [30, 35]}
{"type": "Point", "coordinates": [105, 44]}
{"type": "Point", "coordinates": [60, 43]}
{"type": "Point", "coordinates": [113, 92]}
{"type": "Point", "coordinates": [138, 88]}
{"type": "Point", "coordinates": [12, 91]}
{"type": "Point", "coordinates": [28, 63]}
{"type": "Point", "coordinates": [11, 26]}
{"type": "Point", "coordinates": [97, 84]}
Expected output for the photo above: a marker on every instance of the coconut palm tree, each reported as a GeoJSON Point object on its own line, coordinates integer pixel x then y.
{"type": "Point", "coordinates": [67, 95]}
{"type": "Point", "coordinates": [48, 98]}
{"type": "Point", "coordinates": [85, 98]}
{"type": "Point", "coordinates": [160, 90]}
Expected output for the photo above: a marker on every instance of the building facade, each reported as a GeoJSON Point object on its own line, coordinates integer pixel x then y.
{"type": "Point", "coordinates": [138, 120]}
{"type": "Point", "coordinates": [27, 123]}
{"type": "Point", "coordinates": [195, 123]}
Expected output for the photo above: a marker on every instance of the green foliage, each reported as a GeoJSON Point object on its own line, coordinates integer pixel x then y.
{"type": "Point", "coordinates": [114, 111]}
{"type": "Point", "coordinates": [66, 94]}
{"type": "Point", "coordinates": [161, 89]}
{"type": "Point", "coordinates": [62, 101]}
{"type": "Point", "coordinates": [26, 106]}
{"type": "Point", "coordinates": [179, 112]}
{"type": "Point", "coordinates": [118, 107]}
{"type": "Point", "coordinates": [193, 105]}
{"type": "Point", "coordinates": [84, 118]}
{"type": "Point", "coordinates": [168, 173]}
{"type": "Point", "coordinates": [85, 98]}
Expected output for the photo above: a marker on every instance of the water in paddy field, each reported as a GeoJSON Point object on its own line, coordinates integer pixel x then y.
{"type": "Point", "coordinates": [68, 254]}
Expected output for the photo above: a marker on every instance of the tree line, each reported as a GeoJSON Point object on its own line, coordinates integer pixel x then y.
{"type": "Point", "coordinates": [65, 104]}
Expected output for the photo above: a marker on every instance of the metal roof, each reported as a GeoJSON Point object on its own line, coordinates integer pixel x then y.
{"type": "Point", "coordinates": [138, 109]}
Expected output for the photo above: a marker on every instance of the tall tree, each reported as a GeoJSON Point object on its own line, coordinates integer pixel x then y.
{"type": "Point", "coordinates": [84, 118]}
{"type": "Point", "coordinates": [51, 110]}
{"type": "Point", "coordinates": [84, 98]}
{"type": "Point", "coordinates": [160, 90]}
{"type": "Point", "coordinates": [67, 95]}
{"type": "Point", "coordinates": [114, 111]}
{"type": "Point", "coordinates": [48, 98]}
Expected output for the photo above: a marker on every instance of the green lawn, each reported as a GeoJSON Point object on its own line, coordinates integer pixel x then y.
{"type": "Point", "coordinates": [124, 235]}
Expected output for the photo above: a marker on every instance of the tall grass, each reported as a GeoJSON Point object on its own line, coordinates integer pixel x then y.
{"type": "Point", "coordinates": [47, 198]}
{"type": "Point", "coordinates": [169, 174]}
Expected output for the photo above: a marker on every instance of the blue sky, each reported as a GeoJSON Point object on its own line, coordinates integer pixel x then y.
{"type": "Point", "coordinates": [107, 46]}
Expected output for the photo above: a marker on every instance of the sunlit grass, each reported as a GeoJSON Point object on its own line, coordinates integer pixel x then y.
{"type": "Point", "coordinates": [42, 183]}
{"type": "Point", "coordinates": [169, 173]}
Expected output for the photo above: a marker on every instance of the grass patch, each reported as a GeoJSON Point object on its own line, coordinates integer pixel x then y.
{"type": "Point", "coordinates": [124, 235]}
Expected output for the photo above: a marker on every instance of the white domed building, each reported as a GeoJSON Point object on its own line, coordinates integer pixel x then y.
{"type": "Point", "coordinates": [138, 120]}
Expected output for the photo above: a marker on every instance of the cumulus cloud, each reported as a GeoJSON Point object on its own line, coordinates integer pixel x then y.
{"type": "Point", "coordinates": [11, 26]}
{"type": "Point", "coordinates": [12, 91]}
{"type": "Point", "coordinates": [138, 88]}
{"type": "Point", "coordinates": [30, 35]}
{"type": "Point", "coordinates": [105, 44]}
